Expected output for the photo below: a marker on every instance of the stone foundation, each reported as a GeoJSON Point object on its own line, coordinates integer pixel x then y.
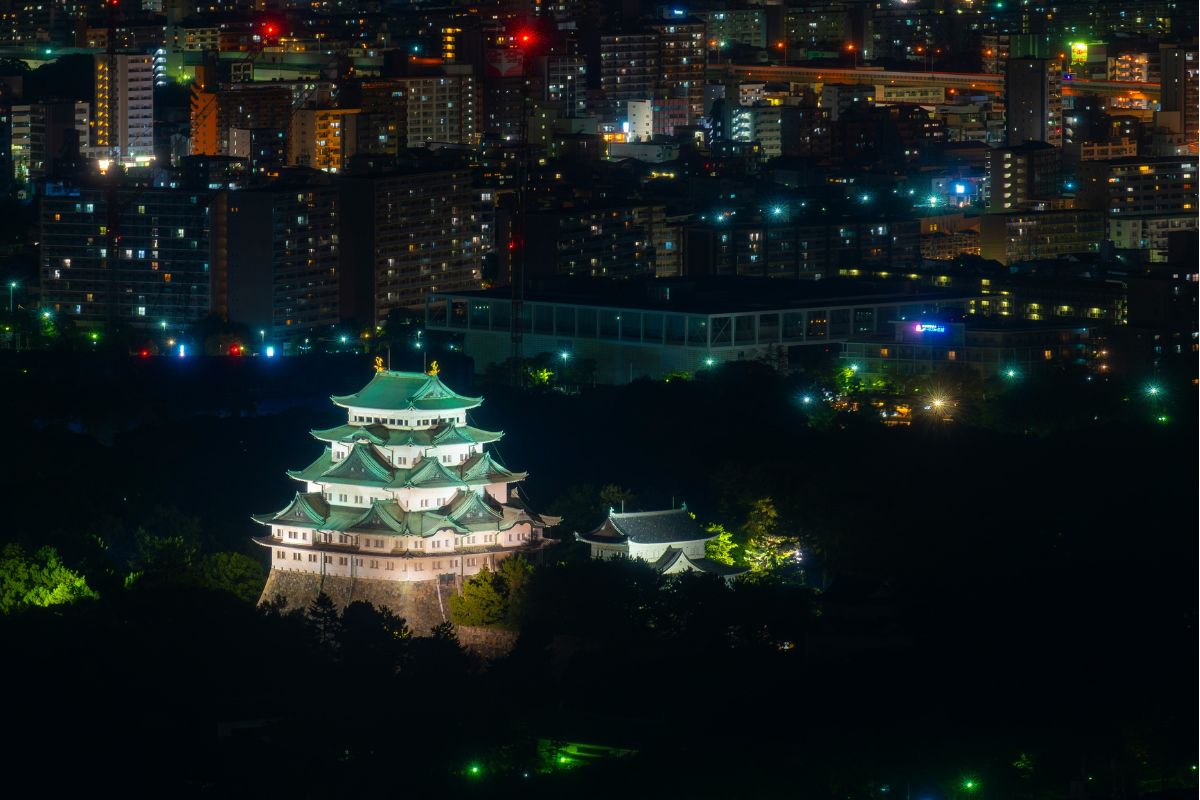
{"type": "Point", "coordinates": [423, 604]}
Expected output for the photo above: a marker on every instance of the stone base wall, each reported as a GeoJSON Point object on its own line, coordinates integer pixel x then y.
{"type": "Point", "coordinates": [423, 604]}
{"type": "Point", "coordinates": [487, 642]}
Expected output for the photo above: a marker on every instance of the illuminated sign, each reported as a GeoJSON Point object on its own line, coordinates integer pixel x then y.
{"type": "Point", "coordinates": [1079, 52]}
{"type": "Point", "coordinates": [928, 327]}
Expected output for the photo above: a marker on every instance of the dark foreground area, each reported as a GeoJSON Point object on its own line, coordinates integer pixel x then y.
{"type": "Point", "coordinates": [1001, 607]}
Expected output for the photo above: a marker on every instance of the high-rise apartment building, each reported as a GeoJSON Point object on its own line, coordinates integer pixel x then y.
{"type": "Point", "coordinates": [682, 51]}
{"type": "Point", "coordinates": [123, 122]}
{"type": "Point", "coordinates": [1180, 68]}
{"type": "Point", "coordinates": [1024, 174]}
{"type": "Point", "coordinates": [322, 138]}
{"type": "Point", "coordinates": [41, 131]}
{"type": "Point", "coordinates": [283, 272]}
{"type": "Point", "coordinates": [1033, 101]}
{"type": "Point", "coordinates": [161, 272]}
{"type": "Point", "coordinates": [628, 68]}
{"type": "Point", "coordinates": [415, 231]}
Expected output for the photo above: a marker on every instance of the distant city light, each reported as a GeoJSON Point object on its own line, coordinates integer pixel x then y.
{"type": "Point", "coordinates": [564, 355]}
{"type": "Point", "coordinates": [270, 351]}
{"type": "Point", "coordinates": [1010, 373]}
{"type": "Point", "coordinates": [777, 211]}
{"type": "Point", "coordinates": [1153, 390]}
{"type": "Point", "coordinates": [806, 399]}
{"type": "Point", "coordinates": [182, 351]}
{"type": "Point", "coordinates": [708, 362]}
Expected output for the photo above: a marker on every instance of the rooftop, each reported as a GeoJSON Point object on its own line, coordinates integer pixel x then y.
{"type": "Point", "coordinates": [648, 527]}
{"type": "Point", "coordinates": [402, 391]}
{"type": "Point", "coordinates": [717, 295]}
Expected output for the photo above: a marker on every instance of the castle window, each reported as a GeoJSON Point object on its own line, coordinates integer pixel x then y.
{"type": "Point", "coordinates": [342, 561]}
{"type": "Point", "coordinates": [295, 556]}
{"type": "Point", "coordinates": [388, 565]}
{"type": "Point", "coordinates": [312, 557]}
{"type": "Point", "coordinates": [280, 554]}
{"type": "Point", "coordinates": [328, 559]}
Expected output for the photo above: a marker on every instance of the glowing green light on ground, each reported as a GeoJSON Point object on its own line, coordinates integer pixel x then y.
{"type": "Point", "coordinates": [970, 785]}
{"type": "Point", "coordinates": [474, 770]}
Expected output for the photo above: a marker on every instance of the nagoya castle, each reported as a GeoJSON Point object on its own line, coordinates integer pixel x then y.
{"type": "Point", "coordinates": [404, 502]}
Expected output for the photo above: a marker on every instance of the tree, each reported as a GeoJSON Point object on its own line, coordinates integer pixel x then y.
{"type": "Point", "coordinates": [482, 601]}
{"type": "Point", "coordinates": [515, 574]}
{"type": "Point", "coordinates": [720, 549]}
{"type": "Point", "coordinates": [42, 580]}
{"type": "Point", "coordinates": [767, 549]}
{"type": "Point", "coordinates": [235, 573]}
{"type": "Point", "coordinates": [372, 641]}
{"type": "Point", "coordinates": [614, 496]}
{"type": "Point", "coordinates": [324, 620]}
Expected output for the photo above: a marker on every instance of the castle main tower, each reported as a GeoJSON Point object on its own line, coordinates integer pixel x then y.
{"type": "Point", "coordinates": [404, 492]}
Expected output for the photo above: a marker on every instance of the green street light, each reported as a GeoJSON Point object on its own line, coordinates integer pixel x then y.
{"type": "Point", "coordinates": [1010, 373]}
{"type": "Point", "coordinates": [1153, 390]}
{"type": "Point", "coordinates": [970, 784]}
{"type": "Point", "coordinates": [474, 770]}
{"type": "Point", "coordinates": [12, 286]}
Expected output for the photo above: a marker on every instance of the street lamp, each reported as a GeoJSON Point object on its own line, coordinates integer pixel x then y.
{"type": "Point", "coordinates": [708, 362]}
{"type": "Point", "coordinates": [12, 285]}
{"type": "Point", "coordinates": [262, 335]}
{"type": "Point", "coordinates": [564, 355]}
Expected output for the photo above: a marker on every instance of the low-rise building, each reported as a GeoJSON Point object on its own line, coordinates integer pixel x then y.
{"type": "Point", "coordinates": [670, 541]}
{"type": "Point", "coordinates": [634, 329]}
{"type": "Point", "coordinates": [988, 346]}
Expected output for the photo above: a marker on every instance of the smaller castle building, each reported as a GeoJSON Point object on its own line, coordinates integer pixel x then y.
{"type": "Point", "coordinates": [671, 541]}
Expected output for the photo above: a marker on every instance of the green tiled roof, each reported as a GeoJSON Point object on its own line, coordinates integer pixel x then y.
{"type": "Point", "coordinates": [364, 467]}
{"type": "Point", "coordinates": [393, 437]}
{"type": "Point", "coordinates": [402, 391]}
{"type": "Point", "coordinates": [361, 464]}
{"type": "Point", "coordinates": [307, 510]}
{"type": "Point", "coordinates": [467, 512]}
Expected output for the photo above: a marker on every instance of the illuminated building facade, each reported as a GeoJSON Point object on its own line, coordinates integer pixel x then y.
{"type": "Point", "coordinates": [415, 232]}
{"type": "Point", "coordinates": [990, 347]}
{"type": "Point", "coordinates": [123, 119]}
{"type": "Point", "coordinates": [164, 265]}
{"type": "Point", "coordinates": [284, 275]}
{"type": "Point", "coordinates": [405, 491]}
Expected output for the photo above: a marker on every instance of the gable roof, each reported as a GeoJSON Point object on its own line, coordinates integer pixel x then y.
{"type": "Point", "coordinates": [362, 463]}
{"type": "Point", "coordinates": [649, 527]}
{"type": "Point", "coordinates": [403, 391]}
{"type": "Point", "coordinates": [307, 510]}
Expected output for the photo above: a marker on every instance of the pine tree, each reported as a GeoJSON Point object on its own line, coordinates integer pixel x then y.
{"type": "Point", "coordinates": [481, 603]}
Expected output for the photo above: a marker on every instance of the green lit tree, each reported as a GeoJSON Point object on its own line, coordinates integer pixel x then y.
{"type": "Point", "coordinates": [38, 580]}
{"type": "Point", "coordinates": [766, 548]}
{"type": "Point", "coordinates": [482, 601]}
{"type": "Point", "coordinates": [720, 549]}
